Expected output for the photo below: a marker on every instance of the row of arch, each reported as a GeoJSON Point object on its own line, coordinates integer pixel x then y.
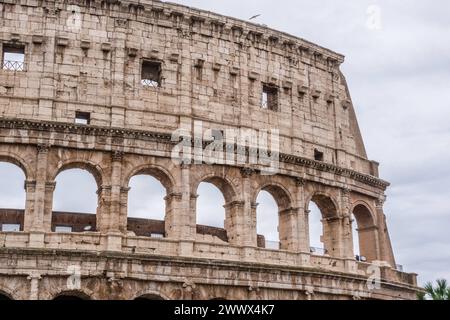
{"type": "Point", "coordinates": [323, 207]}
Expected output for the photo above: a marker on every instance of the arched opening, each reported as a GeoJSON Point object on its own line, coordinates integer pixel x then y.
{"type": "Point", "coordinates": [149, 297]}
{"type": "Point", "coordinates": [273, 218]}
{"type": "Point", "coordinates": [4, 296]}
{"type": "Point", "coordinates": [75, 201]}
{"type": "Point", "coordinates": [365, 236]}
{"type": "Point", "coordinates": [71, 296]}
{"type": "Point", "coordinates": [355, 237]}
{"type": "Point", "coordinates": [211, 210]}
{"type": "Point", "coordinates": [12, 197]}
{"type": "Point", "coordinates": [315, 230]}
{"type": "Point", "coordinates": [146, 207]}
{"type": "Point", "coordinates": [324, 240]}
{"type": "Point", "coordinates": [267, 220]}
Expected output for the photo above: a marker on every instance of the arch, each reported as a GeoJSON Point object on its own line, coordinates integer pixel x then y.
{"type": "Point", "coordinates": [158, 172]}
{"type": "Point", "coordinates": [71, 295]}
{"type": "Point", "coordinates": [222, 183]}
{"type": "Point", "coordinates": [77, 218]}
{"type": "Point", "coordinates": [283, 200]}
{"type": "Point", "coordinates": [94, 169]}
{"type": "Point", "coordinates": [331, 224]}
{"type": "Point", "coordinates": [227, 190]}
{"type": "Point", "coordinates": [367, 231]}
{"type": "Point", "coordinates": [18, 161]}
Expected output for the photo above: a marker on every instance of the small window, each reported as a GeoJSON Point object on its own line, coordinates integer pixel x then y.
{"type": "Point", "coordinates": [63, 229]}
{"type": "Point", "coordinates": [13, 58]}
{"type": "Point", "coordinates": [83, 118]}
{"type": "Point", "coordinates": [269, 100]}
{"type": "Point", "coordinates": [318, 155]}
{"type": "Point", "coordinates": [151, 74]}
{"type": "Point", "coordinates": [11, 227]}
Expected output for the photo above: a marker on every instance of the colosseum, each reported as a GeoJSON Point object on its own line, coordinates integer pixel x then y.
{"type": "Point", "coordinates": [103, 85]}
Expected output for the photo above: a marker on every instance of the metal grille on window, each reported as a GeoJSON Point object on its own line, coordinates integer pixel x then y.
{"type": "Point", "coordinates": [13, 58]}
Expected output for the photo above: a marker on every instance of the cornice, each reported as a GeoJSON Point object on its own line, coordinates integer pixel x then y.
{"type": "Point", "coordinates": [173, 15]}
{"type": "Point", "coordinates": [120, 133]}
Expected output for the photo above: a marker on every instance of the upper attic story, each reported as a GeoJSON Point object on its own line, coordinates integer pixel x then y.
{"type": "Point", "coordinates": [142, 51]}
{"type": "Point", "coordinates": [147, 40]}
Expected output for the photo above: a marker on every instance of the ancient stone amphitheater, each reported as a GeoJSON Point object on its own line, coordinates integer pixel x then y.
{"type": "Point", "coordinates": [102, 85]}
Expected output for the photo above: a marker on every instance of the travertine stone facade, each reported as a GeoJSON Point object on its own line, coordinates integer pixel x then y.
{"type": "Point", "coordinates": [86, 57]}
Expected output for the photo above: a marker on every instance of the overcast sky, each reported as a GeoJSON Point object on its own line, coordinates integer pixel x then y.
{"type": "Point", "coordinates": [398, 69]}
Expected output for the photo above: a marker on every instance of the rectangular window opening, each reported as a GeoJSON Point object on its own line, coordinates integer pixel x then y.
{"type": "Point", "coordinates": [13, 58]}
{"type": "Point", "coordinates": [269, 100]}
{"type": "Point", "coordinates": [151, 74]}
{"type": "Point", "coordinates": [10, 227]}
{"type": "Point", "coordinates": [83, 118]}
{"type": "Point", "coordinates": [318, 155]}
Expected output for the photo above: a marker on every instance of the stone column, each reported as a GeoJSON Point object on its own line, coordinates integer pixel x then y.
{"type": "Point", "coordinates": [288, 229]}
{"type": "Point", "coordinates": [180, 209]}
{"type": "Point", "coordinates": [34, 286]}
{"type": "Point", "coordinates": [48, 204]}
{"type": "Point", "coordinates": [116, 223]}
{"type": "Point", "coordinates": [30, 189]}
{"type": "Point", "coordinates": [237, 226]}
{"type": "Point", "coordinates": [347, 231]}
{"type": "Point", "coordinates": [302, 232]}
{"type": "Point", "coordinates": [244, 215]}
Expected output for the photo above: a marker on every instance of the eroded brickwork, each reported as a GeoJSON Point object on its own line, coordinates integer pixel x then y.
{"type": "Point", "coordinates": [134, 72]}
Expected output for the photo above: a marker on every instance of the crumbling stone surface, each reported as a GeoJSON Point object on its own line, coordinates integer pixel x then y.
{"type": "Point", "coordinates": [102, 87]}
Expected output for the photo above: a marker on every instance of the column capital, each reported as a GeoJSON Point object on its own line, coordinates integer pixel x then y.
{"type": "Point", "coordinates": [380, 202]}
{"type": "Point", "coordinates": [233, 204]}
{"type": "Point", "coordinates": [174, 195]}
{"type": "Point", "coordinates": [29, 185]}
{"type": "Point", "coordinates": [50, 185]}
{"type": "Point", "coordinates": [346, 192]}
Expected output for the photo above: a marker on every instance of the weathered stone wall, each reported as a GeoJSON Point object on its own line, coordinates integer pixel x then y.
{"type": "Point", "coordinates": [213, 69]}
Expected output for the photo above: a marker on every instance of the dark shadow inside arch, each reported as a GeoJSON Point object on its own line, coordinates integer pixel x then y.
{"type": "Point", "coordinates": [4, 297]}
{"type": "Point", "coordinates": [366, 233]}
{"type": "Point", "coordinates": [71, 296]}
{"type": "Point", "coordinates": [149, 297]}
